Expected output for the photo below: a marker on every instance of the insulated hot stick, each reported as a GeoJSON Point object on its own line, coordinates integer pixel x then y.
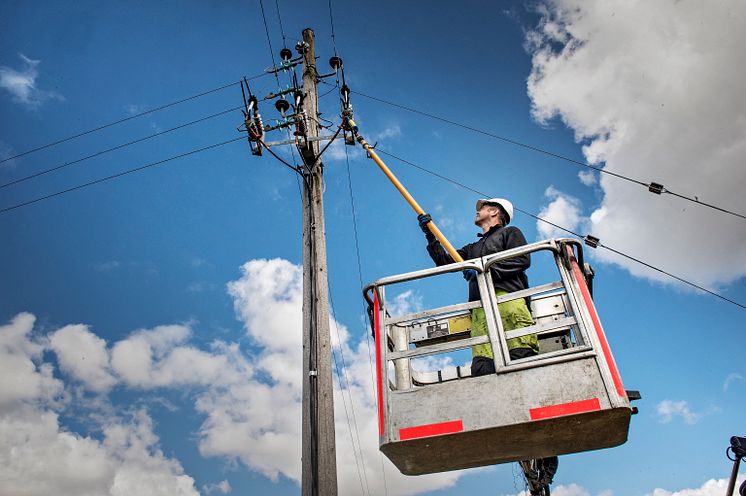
{"type": "Point", "coordinates": [412, 202]}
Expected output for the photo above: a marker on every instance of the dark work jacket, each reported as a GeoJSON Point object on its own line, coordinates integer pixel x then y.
{"type": "Point", "coordinates": [508, 275]}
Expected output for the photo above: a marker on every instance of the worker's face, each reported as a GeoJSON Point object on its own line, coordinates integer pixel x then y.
{"type": "Point", "coordinates": [487, 213]}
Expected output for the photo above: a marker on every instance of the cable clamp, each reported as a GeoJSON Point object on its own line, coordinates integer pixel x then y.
{"type": "Point", "coordinates": [313, 373]}
{"type": "Point", "coordinates": [656, 188]}
{"type": "Point", "coordinates": [591, 241]}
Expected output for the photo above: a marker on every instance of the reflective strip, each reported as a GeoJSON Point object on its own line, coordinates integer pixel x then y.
{"type": "Point", "coordinates": [562, 409]}
{"type": "Point", "coordinates": [431, 430]}
{"type": "Point", "coordinates": [377, 330]}
{"type": "Point", "coordinates": [597, 326]}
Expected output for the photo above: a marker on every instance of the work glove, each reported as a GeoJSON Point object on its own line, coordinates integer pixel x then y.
{"type": "Point", "coordinates": [423, 219]}
{"type": "Point", "coordinates": [470, 275]}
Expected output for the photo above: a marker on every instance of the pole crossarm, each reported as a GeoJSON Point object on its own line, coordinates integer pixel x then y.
{"type": "Point", "coordinates": [293, 142]}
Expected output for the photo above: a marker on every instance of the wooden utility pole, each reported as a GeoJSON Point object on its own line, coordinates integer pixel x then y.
{"type": "Point", "coordinates": [319, 452]}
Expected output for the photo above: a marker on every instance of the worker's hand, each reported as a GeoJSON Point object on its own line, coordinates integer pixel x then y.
{"type": "Point", "coordinates": [470, 275]}
{"type": "Point", "coordinates": [423, 219]}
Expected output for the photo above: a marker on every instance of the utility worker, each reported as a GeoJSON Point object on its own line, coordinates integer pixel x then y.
{"type": "Point", "coordinates": [493, 216]}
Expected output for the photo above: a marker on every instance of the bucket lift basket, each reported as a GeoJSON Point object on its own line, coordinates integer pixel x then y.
{"type": "Point", "coordinates": [568, 398]}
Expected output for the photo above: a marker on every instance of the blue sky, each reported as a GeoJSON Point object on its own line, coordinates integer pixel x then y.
{"type": "Point", "coordinates": [150, 325]}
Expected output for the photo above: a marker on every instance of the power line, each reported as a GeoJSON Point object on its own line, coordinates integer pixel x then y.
{"type": "Point", "coordinates": [652, 186]}
{"type": "Point", "coordinates": [114, 176]}
{"type": "Point", "coordinates": [269, 42]}
{"type": "Point", "coordinates": [331, 22]}
{"type": "Point", "coordinates": [352, 405]}
{"type": "Point", "coordinates": [620, 253]}
{"type": "Point", "coordinates": [145, 112]}
{"type": "Point", "coordinates": [360, 278]}
{"type": "Point", "coordinates": [279, 19]}
{"type": "Point", "coordinates": [123, 145]}
{"type": "Point", "coordinates": [461, 185]}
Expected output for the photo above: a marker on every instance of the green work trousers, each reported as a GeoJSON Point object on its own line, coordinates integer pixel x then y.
{"type": "Point", "coordinates": [514, 314]}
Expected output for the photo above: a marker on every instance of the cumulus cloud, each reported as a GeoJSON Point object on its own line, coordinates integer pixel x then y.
{"type": "Point", "coordinates": [251, 404]}
{"type": "Point", "coordinates": [23, 377]}
{"type": "Point", "coordinates": [712, 487]}
{"type": "Point", "coordinates": [84, 356]}
{"type": "Point", "coordinates": [161, 357]}
{"type": "Point", "coordinates": [222, 487]}
{"type": "Point", "coordinates": [562, 210]}
{"type": "Point", "coordinates": [21, 84]}
{"type": "Point", "coordinates": [587, 177]}
{"type": "Point", "coordinates": [652, 90]}
{"type": "Point", "coordinates": [38, 456]}
{"type": "Point", "coordinates": [259, 422]}
{"type": "Point", "coordinates": [406, 302]}
{"type": "Point", "coordinates": [668, 409]}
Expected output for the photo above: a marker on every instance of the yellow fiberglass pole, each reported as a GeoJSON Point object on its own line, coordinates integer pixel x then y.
{"type": "Point", "coordinates": [416, 206]}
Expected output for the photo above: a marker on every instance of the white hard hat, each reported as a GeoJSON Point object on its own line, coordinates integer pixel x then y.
{"type": "Point", "coordinates": [505, 204]}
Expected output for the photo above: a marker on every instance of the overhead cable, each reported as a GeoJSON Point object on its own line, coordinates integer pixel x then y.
{"type": "Point", "coordinates": [360, 278]}
{"type": "Point", "coordinates": [331, 22]}
{"type": "Point", "coordinates": [653, 187]}
{"type": "Point", "coordinates": [356, 432]}
{"type": "Point", "coordinates": [114, 176]}
{"type": "Point", "coordinates": [135, 116]}
{"type": "Point", "coordinates": [269, 42]}
{"type": "Point", "coordinates": [597, 243]}
{"type": "Point", "coordinates": [123, 145]}
{"type": "Point", "coordinates": [279, 19]}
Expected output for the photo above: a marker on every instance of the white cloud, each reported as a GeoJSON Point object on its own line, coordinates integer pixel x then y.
{"type": "Point", "coordinates": [587, 177]}
{"type": "Point", "coordinates": [712, 487]}
{"type": "Point", "coordinates": [251, 405]}
{"type": "Point", "coordinates": [83, 355]}
{"type": "Point", "coordinates": [668, 409]}
{"type": "Point", "coordinates": [22, 377]}
{"type": "Point", "coordinates": [652, 88]}
{"type": "Point", "coordinates": [732, 378]}
{"type": "Point", "coordinates": [563, 210]}
{"type": "Point", "coordinates": [161, 357]}
{"type": "Point", "coordinates": [222, 487]}
{"type": "Point", "coordinates": [38, 456]}
{"type": "Point", "coordinates": [392, 131]}
{"type": "Point", "coordinates": [259, 421]}
{"type": "Point", "coordinates": [22, 83]}
{"type": "Point", "coordinates": [406, 302]}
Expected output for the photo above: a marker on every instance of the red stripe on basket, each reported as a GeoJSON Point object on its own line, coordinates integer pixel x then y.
{"type": "Point", "coordinates": [377, 329]}
{"type": "Point", "coordinates": [599, 329]}
{"type": "Point", "coordinates": [431, 430]}
{"type": "Point", "coordinates": [562, 409]}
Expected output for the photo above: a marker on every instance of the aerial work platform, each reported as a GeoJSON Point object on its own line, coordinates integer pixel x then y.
{"type": "Point", "coordinates": [568, 398]}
